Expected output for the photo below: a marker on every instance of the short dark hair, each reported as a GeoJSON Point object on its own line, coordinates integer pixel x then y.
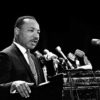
{"type": "Point", "coordinates": [20, 21]}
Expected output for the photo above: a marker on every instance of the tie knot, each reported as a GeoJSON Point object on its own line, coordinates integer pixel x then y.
{"type": "Point", "coordinates": [28, 52]}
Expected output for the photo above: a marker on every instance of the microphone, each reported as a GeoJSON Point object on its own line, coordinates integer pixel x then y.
{"type": "Point", "coordinates": [49, 55]}
{"type": "Point", "coordinates": [39, 56]}
{"type": "Point", "coordinates": [95, 41]}
{"type": "Point", "coordinates": [58, 48]}
{"type": "Point", "coordinates": [71, 56]}
{"type": "Point", "coordinates": [79, 53]}
{"type": "Point", "coordinates": [43, 61]}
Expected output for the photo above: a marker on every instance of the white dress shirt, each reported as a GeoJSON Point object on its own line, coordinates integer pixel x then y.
{"type": "Point", "coordinates": [23, 51]}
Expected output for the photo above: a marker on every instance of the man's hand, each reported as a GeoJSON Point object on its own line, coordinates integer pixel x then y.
{"type": "Point", "coordinates": [22, 87]}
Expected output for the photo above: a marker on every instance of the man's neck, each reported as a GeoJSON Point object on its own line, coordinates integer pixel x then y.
{"type": "Point", "coordinates": [22, 48]}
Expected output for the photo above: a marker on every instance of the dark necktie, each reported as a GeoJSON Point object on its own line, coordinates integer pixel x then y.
{"type": "Point", "coordinates": [32, 66]}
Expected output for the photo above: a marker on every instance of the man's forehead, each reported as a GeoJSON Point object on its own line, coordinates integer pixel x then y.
{"type": "Point", "coordinates": [31, 22]}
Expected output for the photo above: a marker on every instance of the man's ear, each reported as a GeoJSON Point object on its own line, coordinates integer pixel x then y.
{"type": "Point", "coordinates": [16, 31]}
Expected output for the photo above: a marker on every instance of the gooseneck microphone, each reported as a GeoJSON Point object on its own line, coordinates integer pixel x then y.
{"type": "Point", "coordinates": [40, 56]}
{"type": "Point", "coordinates": [49, 56]}
{"type": "Point", "coordinates": [43, 61]}
{"type": "Point", "coordinates": [58, 48]}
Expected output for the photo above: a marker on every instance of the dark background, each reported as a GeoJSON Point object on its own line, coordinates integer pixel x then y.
{"type": "Point", "coordinates": [60, 26]}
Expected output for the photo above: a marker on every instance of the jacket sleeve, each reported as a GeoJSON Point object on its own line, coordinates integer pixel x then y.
{"type": "Point", "coordinates": [5, 68]}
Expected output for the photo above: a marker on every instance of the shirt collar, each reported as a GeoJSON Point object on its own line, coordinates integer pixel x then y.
{"type": "Point", "coordinates": [21, 48]}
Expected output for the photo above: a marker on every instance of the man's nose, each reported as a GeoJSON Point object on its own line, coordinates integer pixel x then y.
{"type": "Point", "coordinates": [36, 36]}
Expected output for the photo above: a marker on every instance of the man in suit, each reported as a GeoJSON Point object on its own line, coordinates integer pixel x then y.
{"type": "Point", "coordinates": [15, 72]}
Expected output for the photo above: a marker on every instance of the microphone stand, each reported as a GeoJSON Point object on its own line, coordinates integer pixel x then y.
{"type": "Point", "coordinates": [67, 62]}
{"type": "Point", "coordinates": [69, 79]}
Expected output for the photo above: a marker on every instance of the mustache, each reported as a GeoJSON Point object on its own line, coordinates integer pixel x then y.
{"type": "Point", "coordinates": [34, 39]}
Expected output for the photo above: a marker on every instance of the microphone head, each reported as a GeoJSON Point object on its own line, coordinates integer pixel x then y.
{"type": "Point", "coordinates": [38, 54]}
{"type": "Point", "coordinates": [71, 56]}
{"type": "Point", "coordinates": [95, 41]}
{"type": "Point", "coordinates": [46, 51]}
{"type": "Point", "coordinates": [58, 48]}
{"type": "Point", "coordinates": [79, 53]}
{"type": "Point", "coordinates": [40, 57]}
{"type": "Point", "coordinates": [49, 55]}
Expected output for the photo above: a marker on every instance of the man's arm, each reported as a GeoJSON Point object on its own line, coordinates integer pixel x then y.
{"type": "Point", "coordinates": [6, 85]}
{"type": "Point", "coordinates": [5, 68]}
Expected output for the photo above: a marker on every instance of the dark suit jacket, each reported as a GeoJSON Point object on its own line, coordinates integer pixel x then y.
{"type": "Point", "coordinates": [13, 66]}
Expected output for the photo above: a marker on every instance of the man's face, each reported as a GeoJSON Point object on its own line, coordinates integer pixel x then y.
{"type": "Point", "coordinates": [29, 34]}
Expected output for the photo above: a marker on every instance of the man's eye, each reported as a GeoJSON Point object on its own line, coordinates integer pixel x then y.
{"type": "Point", "coordinates": [31, 30]}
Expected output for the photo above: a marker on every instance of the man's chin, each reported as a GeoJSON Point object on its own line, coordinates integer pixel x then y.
{"type": "Point", "coordinates": [32, 47]}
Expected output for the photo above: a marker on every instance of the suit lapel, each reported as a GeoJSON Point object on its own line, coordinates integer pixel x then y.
{"type": "Point", "coordinates": [26, 65]}
{"type": "Point", "coordinates": [23, 60]}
